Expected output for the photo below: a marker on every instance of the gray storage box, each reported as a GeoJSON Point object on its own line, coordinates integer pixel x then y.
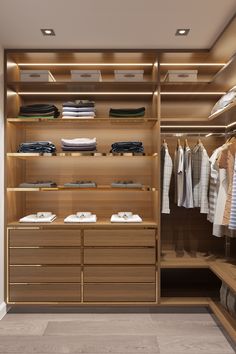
{"type": "Point", "coordinates": [36, 75]}
{"type": "Point", "coordinates": [86, 75]}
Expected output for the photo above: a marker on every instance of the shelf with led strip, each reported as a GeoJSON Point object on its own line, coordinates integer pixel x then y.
{"type": "Point", "coordinates": [99, 188]}
{"type": "Point", "coordinates": [78, 154]}
{"type": "Point", "coordinates": [226, 114]}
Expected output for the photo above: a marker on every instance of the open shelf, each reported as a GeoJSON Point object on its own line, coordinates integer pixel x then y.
{"type": "Point", "coordinates": [226, 115]}
{"type": "Point", "coordinates": [96, 189]}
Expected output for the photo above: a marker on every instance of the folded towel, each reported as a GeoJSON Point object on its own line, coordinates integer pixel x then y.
{"type": "Point", "coordinates": [78, 141]}
{"type": "Point", "coordinates": [133, 218]}
{"type": "Point", "coordinates": [74, 218]}
{"type": "Point", "coordinates": [34, 218]}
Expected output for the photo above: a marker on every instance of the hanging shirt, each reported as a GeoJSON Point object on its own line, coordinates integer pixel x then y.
{"type": "Point", "coordinates": [228, 163]}
{"type": "Point", "coordinates": [214, 184]}
{"type": "Point", "coordinates": [188, 189]}
{"type": "Point", "coordinates": [205, 174]}
{"type": "Point", "coordinates": [232, 222]}
{"type": "Point", "coordinates": [197, 163]}
{"type": "Point", "coordinates": [179, 175]}
{"type": "Point", "coordinates": [167, 172]}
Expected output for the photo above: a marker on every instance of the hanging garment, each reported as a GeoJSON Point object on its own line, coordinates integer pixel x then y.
{"type": "Point", "coordinates": [167, 168]}
{"type": "Point", "coordinates": [188, 189]}
{"type": "Point", "coordinates": [221, 198]}
{"type": "Point", "coordinates": [227, 161]}
{"type": "Point", "coordinates": [179, 175]}
{"type": "Point", "coordinates": [213, 184]}
{"type": "Point", "coordinates": [232, 222]}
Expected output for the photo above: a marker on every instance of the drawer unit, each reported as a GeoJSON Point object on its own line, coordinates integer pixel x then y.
{"type": "Point", "coordinates": [119, 238]}
{"type": "Point", "coordinates": [119, 274]}
{"type": "Point", "coordinates": [119, 256]}
{"type": "Point", "coordinates": [40, 256]}
{"type": "Point", "coordinates": [27, 238]}
{"type": "Point", "coordinates": [119, 292]}
{"type": "Point", "coordinates": [44, 274]}
{"type": "Point", "coordinates": [45, 292]}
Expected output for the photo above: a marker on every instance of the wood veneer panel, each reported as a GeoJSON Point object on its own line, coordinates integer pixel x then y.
{"type": "Point", "coordinates": [45, 256]}
{"type": "Point", "coordinates": [44, 274]}
{"type": "Point", "coordinates": [119, 292]}
{"type": "Point", "coordinates": [119, 256]}
{"type": "Point", "coordinates": [24, 238]}
{"type": "Point", "coordinates": [119, 238]}
{"type": "Point", "coordinates": [44, 292]}
{"type": "Point", "coordinates": [119, 274]}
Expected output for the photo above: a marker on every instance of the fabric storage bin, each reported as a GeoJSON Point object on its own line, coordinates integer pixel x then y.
{"type": "Point", "coordinates": [128, 75]}
{"type": "Point", "coordinates": [86, 75]}
{"type": "Point", "coordinates": [181, 75]}
{"type": "Point", "coordinates": [36, 75]}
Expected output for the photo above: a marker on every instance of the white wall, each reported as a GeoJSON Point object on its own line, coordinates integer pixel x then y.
{"type": "Point", "coordinates": [2, 304]}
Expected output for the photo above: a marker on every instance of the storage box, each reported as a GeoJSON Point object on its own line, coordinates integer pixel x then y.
{"type": "Point", "coordinates": [181, 75]}
{"type": "Point", "coordinates": [128, 75]}
{"type": "Point", "coordinates": [36, 75]}
{"type": "Point", "coordinates": [86, 75]}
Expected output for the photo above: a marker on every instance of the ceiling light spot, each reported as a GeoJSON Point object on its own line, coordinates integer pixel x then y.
{"type": "Point", "coordinates": [182, 31]}
{"type": "Point", "coordinates": [47, 31]}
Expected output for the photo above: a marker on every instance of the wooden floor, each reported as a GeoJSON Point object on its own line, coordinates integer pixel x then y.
{"type": "Point", "coordinates": [191, 331]}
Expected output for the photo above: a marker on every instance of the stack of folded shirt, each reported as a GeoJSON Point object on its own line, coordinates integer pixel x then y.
{"type": "Point", "coordinates": [78, 109]}
{"type": "Point", "coordinates": [126, 184]}
{"type": "Point", "coordinates": [79, 144]}
{"type": "Point", "coordinates": [127, 112]}
{"type": "Point", "coordinates": [37, 147]}
{"type": "Point", "coordinates": [39, 111]}
{"type": "Point", "coordinates": [39, 217]}
{"type": "Point", "coordinates": [81, 184]}
{"type": "Point", "coordinates": [38, 184]}
{"type": "Point", "coordinates": [125, 217]}
{"type": "Point", "coordinates": [127, 146]}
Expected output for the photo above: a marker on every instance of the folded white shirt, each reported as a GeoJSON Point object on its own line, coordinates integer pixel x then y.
{"type": "Point", "coordinates": [78, 141]}
{"type": "Point", "coordinates": [75, 218]}
{"type": "Point", "coordinates": [35, 218]}
{"type": "Point", "coordinates": [133, 218]}
{"type": "Point", "coordinates": [79, 114]}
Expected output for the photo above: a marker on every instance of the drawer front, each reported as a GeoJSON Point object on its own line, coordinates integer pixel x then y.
{"type": "Point", "coordinates": [119, 238]}
{"type": "Point", "coordinates": [119, 256]}
{"type": "Point", "coordinates": [119, 292]}
{"type": "Point", "coordinates": [45, 256]}
{"type": "Point", "coordinates": [44, 274]}
{"type": "Point", "coordinates": [27, 238]}
{"type": "Point", "coordinates": [119, 274]}
{"type": "Point", "coordinates": [45, 292]}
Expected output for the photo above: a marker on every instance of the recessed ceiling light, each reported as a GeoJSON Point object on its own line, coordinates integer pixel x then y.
{"type": "Point", "coordinates": [47, 32]}
{"type": "Point", "coordinates": [182, 31]}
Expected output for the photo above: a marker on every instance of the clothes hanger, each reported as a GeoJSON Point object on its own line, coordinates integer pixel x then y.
{"type": "Point", "coordinates": [186, 143]}
{"type": "Point", "coordinates": [178, 143]}
{"type": "Point", "coordinates": [164, 143]}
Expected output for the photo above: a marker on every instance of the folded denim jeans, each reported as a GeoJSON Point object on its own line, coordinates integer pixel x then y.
{"type": "Point", "coordinates": [37, 147]}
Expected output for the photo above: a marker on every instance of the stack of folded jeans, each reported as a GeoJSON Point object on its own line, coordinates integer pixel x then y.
{"type": "Point", "coordinates": [127, 146]}
{"type": "Point", "coordinates": [127, 112]}
{"type": "Point", "coordinates": [39, 111]}
{"type": "Point", "coordinates": [81, 184]}
{"type": "Point", "coordinates": [37, 147]}
{"type": "Point", "coordinates": [78, 109]}
{"type": "Point", "coordinates": [38, 184]}
{"type": "Point", "coordinates": [126, 184]}
{"type": "Point", "coordinates": [79, 144]}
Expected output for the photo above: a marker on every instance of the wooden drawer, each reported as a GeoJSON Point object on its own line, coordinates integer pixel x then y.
{"type": "Point", "coordinates": [119, 238]}
{"type": "Point", "coordinates": [119, 292]}
{"type": "Point", "coordinates": [24, 238]}
{"type": "Point", "coordinates": [44, 292]}
{"type": "Point", "coordinates": [45, 274]}
{"type": "Point", "coordinates": [119, 256]}
{"type": "Point", "coordinates": [119, 274]}
{"type": "Point", "coordinates": [45, 256]}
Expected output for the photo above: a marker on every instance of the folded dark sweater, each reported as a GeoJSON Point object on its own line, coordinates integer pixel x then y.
{"type": "Point", "coordinates": [127, 112]}
{"type": "Point", "coordinates": [127, 146]}
{"type": "Point", "coordinates": [39, 109]}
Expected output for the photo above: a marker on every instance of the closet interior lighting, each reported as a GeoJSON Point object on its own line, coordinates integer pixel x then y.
{"type": "Point", "coordinates": [85, 64]}
{"type": "Point", "coordinates": [231, 125]}
{"type": "Point", "coordinates": [209, 134]}
{"type": "Point", "coordinates": [192, 93]}
{"type": "Point", "coordinates": [84, 93]}
{"type": "Point", "coordinates": [194, 126]}
{"type": "Point", "coordinates": [192, 64]}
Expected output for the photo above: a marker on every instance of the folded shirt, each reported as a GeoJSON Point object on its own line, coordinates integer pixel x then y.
{"type": "Point", "coordinates": [127, 146]}
{"type": "Point", "coordinates": [35, 218]}
{"type": "Point", "coordinates": [39, 109]}
{"type": "Point", "coordinates": [37, 147]}
{"type": "Point", "coordinates": [126, 184]}
{"type": "Point", "coordinates": [132, 218]}
{"type": "Point", "coordinates": [81, 184]}
{"type": "Point", "coordinates": [79, 103]}
{"type": "Point", "coordinates": [38, 184]}
{"type": "Point", "coordinates": [79, 141]}
{"type": "Point", "coordinates": [78, 148]}
{"type": "Point", "coordinates": [74, 218]}
{"type": "Point", "coordinates": [78, 114]}
{"type": "Point", "coordinates": [127, 112]}
{"type": "Point", "coordinates": [78, 109]}
{"type": "Point", "coordinates": [81, 117]}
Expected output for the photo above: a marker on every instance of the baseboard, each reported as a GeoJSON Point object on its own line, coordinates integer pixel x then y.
{"type": "Point", "coordinates": [3, 309]}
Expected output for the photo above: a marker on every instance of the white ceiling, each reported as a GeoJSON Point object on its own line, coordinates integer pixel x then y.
{"type": "Point", "coordinates": [113, 24]}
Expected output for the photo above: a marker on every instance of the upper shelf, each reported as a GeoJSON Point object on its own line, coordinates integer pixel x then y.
{"type": "Point", "coordinates": [226, 115]}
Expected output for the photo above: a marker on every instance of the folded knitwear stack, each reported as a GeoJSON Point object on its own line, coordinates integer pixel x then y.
{"type": "Point", "coordinates": [39, 111]}
{"type": "Point", "coordinates": [127, 112]}
{"type": "Point", "coordinates": [127, 146]}
{"type": "Point", "coordinates": [78, 109]}
{"type": "Point", "coordinates": [37, 147]}
{"type": "Point", "coordinates": [79, 144]}
{"type": "Point", "coordinates": [38, 184]}
{"type": "Point", "coordinates": [81, 184]}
